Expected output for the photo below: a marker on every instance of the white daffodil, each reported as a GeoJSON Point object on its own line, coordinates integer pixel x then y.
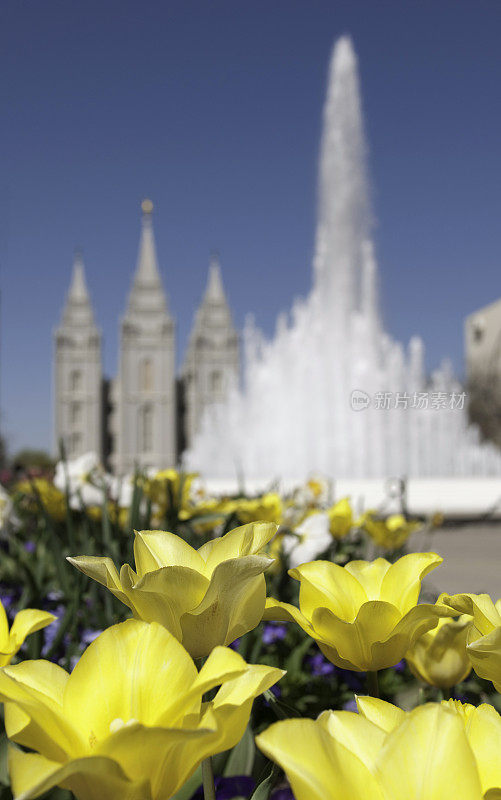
{"type": "Point", "coordinates": [311, 538]}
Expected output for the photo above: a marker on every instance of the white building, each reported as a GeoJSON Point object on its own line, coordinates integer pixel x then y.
{"type": "Point", "coordinates": [147, 417]}
{"type": "Point", "coordinates": [212, 362]}
{"type": "Point", "coordinates": [78, 372]}
{"type": "Point", "coordinates": [482, 338]}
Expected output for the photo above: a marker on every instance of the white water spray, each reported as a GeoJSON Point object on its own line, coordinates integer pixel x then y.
{"type": "Point", "coordinates": [296, 412]}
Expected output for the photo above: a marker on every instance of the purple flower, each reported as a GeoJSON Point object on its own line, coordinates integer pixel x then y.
{"type": "Point", "coordinates": [350, 706]}
{"type": "Point", "coordinates": [285, 793]}
{"type": "Point", "coordinates": [235, 645]}
{"type": "Point", "coordinates": [354, 680]}
{"type": "Point", "coordinates": [274, 632]}
{"type": "Point", "coordinates": [229, 787]}
{"type": "Point", "coordinates": [50, 632]}
{"type": "Point", "coordinates": [88, 635]}
{"type": "Point", "coordinates": [320, 666]}
{"type": "Point", "coordinates": [7, 599]}
{"type": "Point", "coordinates": [30, 546]}
{"type": "Point", "coordinates": [400, 667]}
{"type": "Point", "coordinates": [276, 691]}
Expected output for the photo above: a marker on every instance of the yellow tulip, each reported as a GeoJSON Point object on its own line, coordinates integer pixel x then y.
{"type": "Point", "coordinates": [268, 507]}
{"type": "Point", "coordinates": [484, 635]}
{"type": "Point", "coordinates": [51, 498]}
{"type": "Point", "coordinates": [340, 518]}
{"type": "Point", "coordinates": [168, 486]}
{"type": "Point", "coordinates": [482, 727]}
{"type": "Point", "coordinates": [204, 597]}
{"type": "Point", "coordinates": [390, 533]}
{"type": "Point", "coordinates": [129, 721]}
{"type": "Point", "coordinates": [423, 755]}
{"type": "Point", "coordinates": [439, 657]}
{"type": "Point", "coordinates": [363, 616]}
{"type": "Point", "coordinates": [25, 622]}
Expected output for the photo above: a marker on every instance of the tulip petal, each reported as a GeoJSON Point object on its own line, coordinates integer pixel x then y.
{"type": "Point", "coordinates": [101, 570]}
{"type": "Point", "coordinates": [414, 624]}
{"type": "Point", "coordinates": [253, 682]}
{"type": "Point", "coordinates": [154, 549]}
{"type": "Point", "coordinates": [130, 666]}
{"type": "Point", "coordinates": [4, 630]}
{"type": "Point", "coordinates": [48, 681]}
{"type": "Point", "coordinates": [148, 606]}
{"type": "Point", "coordinates": [247, 540]}
{"type": "Point", "coordinates": [402, 583]}
{"type": "Point", "coordinates": [427, 757]}
{"type": "Point", "coordinates": [222, 664]}
{"type": "Point", "coordinates": [326, 584]}
{"type": "Point", "coordinates": [359, 643]}
{"type": "Point", "coordinates": [439, 657]}
{"type": "Point", "coordinates": [167, 593]}
{"type": "Point", "coordinates": [370, 575]}
{"type": "Point", "coordinates": [28, 621]}
{"type": "Point", "coordinates": [167, 755]}
{"type": "Point", "coordinates": [355, 732]}
{"type": "Point", "coordinates": [36, 688]}
{"type": "Point", "coordinates": [277, 611]}
{"type": "Point", "coordinates": [385, 715]}
{"type": "Point", "coordinates": [479, 606]}
{"type": "Point", "coordinates": [483, 730]}
{"type": "Point", "coordinates": [231, 708]}
{"type": "Point", "coordinates": [94, 778]}
{"type": "Point", "coordinates": [236, 597]}
{"type": "Point", "coordinates": [317, 766]}
{"type": "Point", "coordinates": [485, 655]}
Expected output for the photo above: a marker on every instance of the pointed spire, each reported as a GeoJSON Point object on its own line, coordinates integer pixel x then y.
{"type": "Point", "coordinates": [215, 292]}
{"type": "Point", "coordinates": [147, 273]}
{"type": "Point", "coordinates": [78, 310]}
{"type": "Point", "coordinates": [147, 293]}
{"type": "Point", "coordinates": [78, 290]}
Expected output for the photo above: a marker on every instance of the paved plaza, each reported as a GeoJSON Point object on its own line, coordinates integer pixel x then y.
{"type": "Point", "coordinates": [472, 558]}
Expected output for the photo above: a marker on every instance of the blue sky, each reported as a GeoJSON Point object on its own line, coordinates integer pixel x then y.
{"type": "Point", "coordinates": [213, 110]}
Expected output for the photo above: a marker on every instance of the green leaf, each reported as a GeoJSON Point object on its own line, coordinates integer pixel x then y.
{"type": "Point", "coordinates": [265, 788]}
{"type": "Point", "coordinates": [295, 660]}
{"type": "Point", "coordinates": [4, 773]}
{"type": "Point", "coordinates": [241, 758]}
{"type": "Point", "coordinates": [190, 787]}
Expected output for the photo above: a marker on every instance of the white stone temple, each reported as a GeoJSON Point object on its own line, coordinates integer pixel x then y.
{"type": "Point", "coordinates": [147, 415]}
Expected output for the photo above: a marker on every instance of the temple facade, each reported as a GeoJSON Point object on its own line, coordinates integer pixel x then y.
{"type": "Point", "coordinates": [148, 414]}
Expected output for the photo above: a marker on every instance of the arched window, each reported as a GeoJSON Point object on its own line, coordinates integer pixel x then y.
{"type": "Point", "coordinates": [216, 381]}
{"type": "Point", "coordinates": [145, 429]}
{"type": "Point", "coordinates": [146, 375]}
{"type": "Point", "coordinates": [75, 380]}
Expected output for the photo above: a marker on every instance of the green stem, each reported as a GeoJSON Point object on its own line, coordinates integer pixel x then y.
{"type": "Point", "coordinates": [208, 779]}
{"type": "Point", "coordinates": [373, 684]}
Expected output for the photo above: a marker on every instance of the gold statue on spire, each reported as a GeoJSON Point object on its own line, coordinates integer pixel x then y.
{"type": "Point", "coordinates": [146, 206]}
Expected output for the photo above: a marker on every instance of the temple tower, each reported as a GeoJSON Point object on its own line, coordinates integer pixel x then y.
{"type": "Point", "coordinates": [212, 363]}
{"type": "Point", "coordinates": [77, 372]}
{"type": "Point", "coordinates": [144, 394]}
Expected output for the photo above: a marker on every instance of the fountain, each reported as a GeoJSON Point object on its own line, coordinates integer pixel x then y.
{"type": "Point", "coordinates": [332, 392]}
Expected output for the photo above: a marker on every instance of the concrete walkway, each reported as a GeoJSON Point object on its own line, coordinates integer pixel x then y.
{"type": "Point", "coordinates": [472, 558]}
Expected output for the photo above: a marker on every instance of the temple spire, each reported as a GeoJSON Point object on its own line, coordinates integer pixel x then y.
{"type": "Point", "coordinates": [215, 291]}
{"type": "Point", "coordinates": [78, 309]}
{"type": "Point", "coordinates": [147, 293]}
{"type": "Point", "coordinates": [147, 273]}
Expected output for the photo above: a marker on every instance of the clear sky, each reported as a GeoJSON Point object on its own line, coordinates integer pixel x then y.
{"type": "Point", "coordinates": [213, 109]}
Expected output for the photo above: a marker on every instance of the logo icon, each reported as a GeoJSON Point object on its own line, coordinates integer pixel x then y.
{"type": "Point", "coordinates": [359, 400]}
